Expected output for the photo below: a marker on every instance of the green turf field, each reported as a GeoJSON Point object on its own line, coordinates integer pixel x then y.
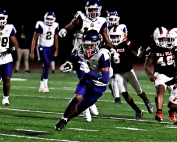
{"type": "Point", "coordinates": [31, 117]}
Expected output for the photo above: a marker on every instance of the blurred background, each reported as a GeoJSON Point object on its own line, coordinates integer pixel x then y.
{"type": "Point", "coordinates": [140, 17]}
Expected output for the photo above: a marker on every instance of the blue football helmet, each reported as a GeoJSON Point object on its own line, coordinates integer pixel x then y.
{"type": "Point", "coordinates": [112, 18]}
{"type": "Point", "coordinates": [93, 9]}
{"type": "Point", "coordinates": [49, 18]}
{"type": "Point", "coordinates": [3, 17]}
{"type": "Point", "coordinates": [91, 42]}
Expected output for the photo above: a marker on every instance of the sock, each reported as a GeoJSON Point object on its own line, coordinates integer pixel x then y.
{"type": "Point", "coordinates": [42, 84]}
{"type": "Point", "coordinates": [66, 119]}
{"type": "Point", "coordinates": [53, 65]}
{"type": "Point", "coordinates": [6, 97]}
{"type": "Point", "coordinates": [45, 82]}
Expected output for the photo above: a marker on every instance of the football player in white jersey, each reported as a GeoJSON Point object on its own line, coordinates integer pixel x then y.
{"type": "Point", "coordinates": [7, 33]}
{"type": "Point", "coordinates": [82, 23]}
{"type": "Point", "coordinates": [92, 66]}
{"type": "Point", "coordinates": [47, 32]}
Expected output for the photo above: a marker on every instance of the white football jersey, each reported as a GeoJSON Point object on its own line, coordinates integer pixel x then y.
{"type": "Point", "coordinates": [9, 30]}
{"type": "Point", "coordinates": [86, 26]}
{"type": "Point", "coordinates": [93, 62]}
{"type": "Point", "coordinates": [46, 37]}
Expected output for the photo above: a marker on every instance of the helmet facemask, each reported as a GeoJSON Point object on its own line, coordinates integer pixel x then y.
{"type": "Point", "coordinates": [113, 20]}
{"type": "Point", "coordinates": [49, 19]}
{"type": "Point", "coordinates": [90, 48]}
{"type": "Point", "coordinates": [3, 19]}
{"type": "Point", "coordinates": [93, 12]}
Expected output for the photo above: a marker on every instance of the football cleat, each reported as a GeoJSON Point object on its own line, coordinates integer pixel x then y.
{"type": "Point", "coordinates": [5, 102]}
{"type": "Point", "coordinates": [118, 101]}
{"type": "Point", "coordinates": [149, 107]}
{"type": "Point", "coordinates": [44, 90]}
{"type": "Point", "coordinates": [60, 125]}
{"type": "Point", "coordinates": [172, 116]}
{"type": "Point", "coordinates": [159, 116]}
{"type": "Point", "coordinates": [94, 109]}
{"type": "Point", "coordinates": [138, 115]}
{"type": "Point", "coordinates": [87, 115]}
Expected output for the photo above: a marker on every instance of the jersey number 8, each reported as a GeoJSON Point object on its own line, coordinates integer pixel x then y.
{"type": "Point", "coordinates": [3, 41]}
{"type": "Point", "coordinates": [48, 35]}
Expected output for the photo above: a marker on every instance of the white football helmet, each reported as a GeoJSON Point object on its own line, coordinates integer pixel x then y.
{"type": "Point", "coordinates": [3, 17]}
{"type": "Point", "coordinates": [172, 38]}
{"type": "Point", "coordinates": [160, 36]}
{"type": "Point", "coordinates": [116, 35]}
{"type": "Point", "coordinates": [93, 9]}
{"type": "Point", "coordinates": [49, 15]}
{"type": "Point", "coordinates": [112, 18]}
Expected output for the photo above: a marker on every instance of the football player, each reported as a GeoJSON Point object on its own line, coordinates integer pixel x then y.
{"type": "Point", "coordinates": [47, 32]}
{"type": "Point", "coordinates": [93, 70]}
{"type": "Point", "coordinates": [112, 19]}
{"type": "Point", "coordinates": [161, 56]}
{"type": "Point", "coordinates": [82, 23]}
{"type": "Point", "coordinates": [7, 33]}
{"type": "Point", "coordinates": [124, 72]}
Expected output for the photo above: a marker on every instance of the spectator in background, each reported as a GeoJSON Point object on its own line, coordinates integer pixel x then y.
{"type": "Point", "coordinates": [24, 39]}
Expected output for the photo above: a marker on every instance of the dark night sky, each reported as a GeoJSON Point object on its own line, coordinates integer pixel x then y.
{"type": "Point", "coordinates": [140, 17]}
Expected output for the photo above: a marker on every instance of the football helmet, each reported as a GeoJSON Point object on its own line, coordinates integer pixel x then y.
{"type": "Point", "coordinates": [3, 17]}
{"type": "Point", "coordinates": [91, 42]}
{"type": "Point", "coordinates": [112, 18]}
{"type": "Point", "coordinates": [160, 36]}
{"type": "Point", "coordinates": [93, 9]}
{"type": "Point", "coordinates": [116, 35]}
{"type": "Point", "coordinates": [49, 18]}
{"type": "Point", "coordinates": [172, 38]}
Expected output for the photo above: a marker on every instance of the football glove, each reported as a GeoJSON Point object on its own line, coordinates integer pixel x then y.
{"type": "Point", "coordinates": [8, 51]}
{"type": "Point", "coordinates": [62, 33]}
{"type": "Point", "coordinates": [116, 58]}
{"type": "Point", "coordinates": [140, 51]}
{"type": "Point", "coordinates": [84, 67]}
{"type": "Point", "coordinates": [66, 67]}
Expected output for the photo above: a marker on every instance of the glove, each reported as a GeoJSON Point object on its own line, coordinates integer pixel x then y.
{"type": "Point", "coordinates": [8, 51]}
{"type": "Point", "coordinates": [116, 58]}
{"type": "Point", "coordinates": [66, 67]}
{"type": "Point", "coordinates": [84, 67]}
{"type": "Point", "coordinates": [62, 33]}
{"type": "Point", "coordinates": [140, 51]}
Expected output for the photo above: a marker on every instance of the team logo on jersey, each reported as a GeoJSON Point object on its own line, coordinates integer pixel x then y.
{"type": "Point", "coordinates": [92, 25]}
{"type": "Point", "coordinates": [49, 28]}
{"type": "Point", "coordinates": [0, 33]}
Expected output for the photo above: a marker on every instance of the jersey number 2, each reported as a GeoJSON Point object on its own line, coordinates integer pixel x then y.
{"type": "Point", "coordinates": [48, 36]}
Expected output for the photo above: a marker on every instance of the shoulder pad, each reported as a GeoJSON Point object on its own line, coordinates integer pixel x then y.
{"type": "Point", "coordinates": [39, 23]}
{"type": "Point", "coordinates": [79, 13]}
{"type": "Point", "coordinates": [103, 19]}
{"type": "Point", "coordinates": [106, 53]}
{"type": "Point", "coordinates": [11, 26]}
{"type": "Point", "coordinates": [128, 42]}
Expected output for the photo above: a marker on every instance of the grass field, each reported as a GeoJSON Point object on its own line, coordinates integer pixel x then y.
{"type": "Point", "coordinates": [31, 117]}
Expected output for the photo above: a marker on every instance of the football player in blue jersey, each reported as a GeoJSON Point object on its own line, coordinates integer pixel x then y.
{"type": "Point", "coordinates": [92, 66]}
{"type": "Point", "coordinates": [7, 33]}
{"type": "Point", "coordinates": [47, 32]}
{"type": "Point", "coordinates": [83, 22]}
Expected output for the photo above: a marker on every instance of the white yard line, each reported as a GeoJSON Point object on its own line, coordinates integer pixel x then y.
{"type": "Point", "coordinates": [133, 129]}
{"type": "Point", "coordinates": [78, 129]}
{"type": "Point", "coordinates": [37, 138]}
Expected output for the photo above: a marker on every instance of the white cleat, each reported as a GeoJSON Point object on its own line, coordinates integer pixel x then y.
{"type": "Point", "coordinates": [87, 115]}
{"type": "Point", "coordinates": [44, 90]}
{"type": "Point", "coordinates": [5, 102]}
{"type": "Point", "coordinates": [94, 109]}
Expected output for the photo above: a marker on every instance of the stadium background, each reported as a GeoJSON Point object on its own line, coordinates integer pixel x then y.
{"type": "Point", "coordinates": [141, 18]}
